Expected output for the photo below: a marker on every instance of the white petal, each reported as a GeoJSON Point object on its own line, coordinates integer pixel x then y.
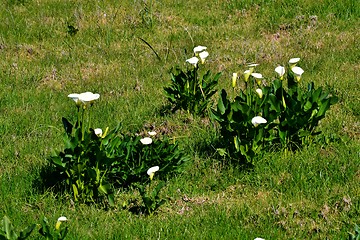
{"type": "Point", "coordinates": [280, 70]}
{"type": "Point", "coordinates": [257, 75]}
{"type": "Point", "coordinates": [88, 97]}
{"type": "Point", "coordinates": [253, 65]}
{"type": "Point", "coordinates": [62, 219]}
{"type": "Point", "coordinates": [259, 239]}
{"type": "Point", "coordinates": [146, 140]}
{"type": "Point", "coordinates": [193, 60]}
{"type": "Point", "coordinates": [152, 170]}
{"type": "Point", "coordinates": [298, 71]}
{"type": "Point", "coordinates": [153, 133]}
{"type": "Point", "coordinates": [259, 92]}
{"type": "Point", "coordinates": [74, 96]}
{"type": "Point", "coordinates": [258, 120]}
{"type": "Point", "coordinates": [294, 60]}
{"type": "Point", "coordinates": [199, 49]}
{"type": "Point", "coordinates": [203, 55]}
{"type": "Point", "coordinates": [98, 131]}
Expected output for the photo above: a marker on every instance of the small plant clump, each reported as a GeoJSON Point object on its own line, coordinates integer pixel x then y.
{"type": "Point", "coordinates": [189, 90]}
{"type": "Point", "coordinates": [272, 115]}
{"type": "Point", "coordinates": [94, 162]}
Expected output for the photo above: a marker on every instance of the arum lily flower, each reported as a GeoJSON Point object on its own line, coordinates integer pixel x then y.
{"type": "Point", "coordinates": [293, 62]}
{"type": "Point", "coordinates": [259, 92]}
{"type": "Point", "coordinates": [258, 77]}
{"type": "Point", "coordinates": [199, 49]}
{"type": "Point", "coordinates": [234, 78]}
{"type": "Point", "coordinates": [146, 140]}
{"type": "Point", "coordinates": [281, 71]}
{"type": "Point", "coordinates": [203, 55]}
{"type": "Point", "coordinates": [193, 61]}
{"type": "Point", "coordinates": [298, 71]}
{"type": "Point", "coordinates": [153, 133]}
{"type": "Point", "coordinates": [88, 97]}
{"type": "Point", "coordinates": [253, 65]}
{"type": "Point", "coordinates": [258, 120]}
{"type": "Point", "coordinates": [247, 75]}
{"type": "Point", "coordinates": [259, 239]}
{"type": "Point", "coordinates": [151, 171]}
{"type": "Point", "coordinates": [59, 221]}
{"type": "Point", "coordinates": [98, 132]}
{"type": "Point", "coordinates": [75, 97]}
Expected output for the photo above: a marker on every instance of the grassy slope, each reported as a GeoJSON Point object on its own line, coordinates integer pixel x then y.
{"type": "Point", "coordinates": [310, 194]}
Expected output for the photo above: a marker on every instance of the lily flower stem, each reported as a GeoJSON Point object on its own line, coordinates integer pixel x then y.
{"type": "Point", "coordinates": [82, 124]}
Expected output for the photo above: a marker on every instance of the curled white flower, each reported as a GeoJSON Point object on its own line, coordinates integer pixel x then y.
{"type": "Point", "coordinates": [152, 133]}
{"type": "Point", "coordinates": [151, 171]}
{"type": "Point", "coordinates": [257, 75]}
{"type": "Point", "coordinates": [252, 65]}
{"type": "Point", "coordinates": [203, 55]}
{"type": "Point", "coordinates": [146, 140]}
{"type": "Point", "coordinates": [193, 61]}
{"type": "Point", "coordinates": [234, 78]}
{"type": "Point", "coordinates": [75, 97]}
{"type": "Point", "coordinates": [98, 132]}
{"type": "Point", "coordinates": [259, 92]}
{"type": "Point", "coordinates": [294, 61]}
{"type": "Point", "coordinates": [88, 97]}
{"type": "Point", "coordinates": [62, 219]}
{"type": "Point", "coordinates": [258, 120]}
{"type": "Point", "coordinates": [280, 70]}
{"type": "Point", "coordinates": [59, 221]}
{"type": "Point", "coordinates": [298, 71]}
{"type": "Point", "coordinates": [199, 49]}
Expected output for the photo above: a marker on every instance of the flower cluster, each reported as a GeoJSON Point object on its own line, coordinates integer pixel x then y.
{"type": "Point", "coordinates": [199, 52]}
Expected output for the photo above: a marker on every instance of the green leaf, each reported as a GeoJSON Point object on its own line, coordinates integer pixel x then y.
{"type": "Point", "coordinates": [67, 126]}
{"type": "Point", "coordinates": [274, 102]}
{"type": "Point", "coordinates": [26, 232]}
{"type": "Point", "coordinates": [222, 99]}
{"type": "Point", "coordinates": [324, 107]}
{"type": "Point", "coordinates": [308, 106]}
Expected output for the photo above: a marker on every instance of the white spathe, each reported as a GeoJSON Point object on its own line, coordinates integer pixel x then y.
{"type": "Point", "coordinates": [294, 60]}
{"type": "Point", "coordinates": [258, 120]}
{"type": "Point", "coordinates": [259, 92]}
{"type": "Point", "coordinates": [62, 219]}
{"type": "Point", "coordinates": [193, 61]}
{"type": "Point", "coordinates": [88, 97]}
{"type": "Point", "coordinates": [152, 133]}
{"type": "Point", "coordinates": [257, 75]}
{"type": "Point", "coordinates": [151, 171]}
{"type": "Point", "coordinates": [75, 97]}
{"type": "Point", "coordinates": [280, 70]}
{"type": "Point", "coordinates": [146, 140]}
{"type": "Point", "coordinates": [199, 49]}
{"type": "Point", "coordinates": [203, 55]}
{"type": "Point", "coordinates": [98, 132]}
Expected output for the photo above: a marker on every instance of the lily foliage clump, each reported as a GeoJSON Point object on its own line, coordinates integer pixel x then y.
{"type": "Point", "coordinates": [280, 114]}
{"type": "Point", "coordinates": [191, 90]}
{"type": "Point", "coordinates": [94, 163]}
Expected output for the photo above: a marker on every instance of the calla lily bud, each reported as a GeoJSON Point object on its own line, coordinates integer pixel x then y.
{"type": "Point", "coordinates": [247, 75]}
{"type": "Point", "coordinates": [59, 221]}
{"type": "Point", "coordinates": [98, 132]}
{"type": "Point", "coordinates": [234, 78]}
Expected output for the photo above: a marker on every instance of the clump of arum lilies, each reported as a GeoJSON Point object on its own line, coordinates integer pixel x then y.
{"type": "Point", "coordinates": [265, 113]}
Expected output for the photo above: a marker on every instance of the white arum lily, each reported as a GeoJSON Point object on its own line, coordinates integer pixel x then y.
{"type": "Point", "coordinates": [98, 132]}
{"type": "Point", "coordinates": [199, 49]}
{"type": "Point", "coordinates": [259, 92]}
{"type": "Point", "coordinates": [234, 78]}
{"type": "Point", "coordinates": [247, 75]}
{"type": "Point", "coordinates": [152, 133]}
{"type": "Point", "coordinates": [253, 65]}
{"type": "Point", "coordinates": [88, 97]}
{"type": "Point", "coordinates": [151, 171]}
{"type": "Point", "coordinates": [281, 71]}
{"type": "Point", "coordinates": [59, 221]}
{"type": "Point", "coordinates": [298, 71]}
{"type": "Point", "coordinates": [259, 239]}
{"type": "Point", "coordinates": [293, 62]}
{"type": "Point", "coordinates": [258, 120]}
{"type": "Point", "coordinates": [146, 140]}
{"type": "Point", "coordinates": [75, 97]}
{"type": "Point", "coordinates": [203, 56]}
{"type": "Point", "coordinates": [193, 61]}
{"type": "Point", "coordinates": [258, 77]}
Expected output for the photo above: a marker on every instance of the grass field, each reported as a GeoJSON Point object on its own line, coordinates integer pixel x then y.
{"type": "Point", "coordinates": [50, 48]}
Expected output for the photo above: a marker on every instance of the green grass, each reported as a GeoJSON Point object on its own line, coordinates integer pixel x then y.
{"type": "Point", "coordinates": [310, 194]}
